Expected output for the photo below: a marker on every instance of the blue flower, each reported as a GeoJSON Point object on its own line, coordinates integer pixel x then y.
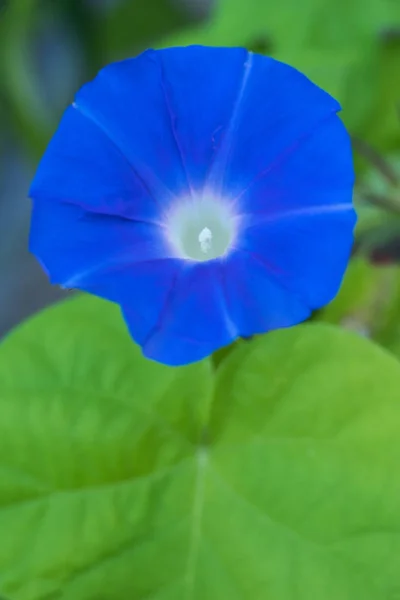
{"type": "Point", "coordinates": [207, 191]}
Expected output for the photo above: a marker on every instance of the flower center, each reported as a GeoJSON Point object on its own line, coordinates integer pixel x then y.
{"type": "Point", "coordinates": [201, 229]}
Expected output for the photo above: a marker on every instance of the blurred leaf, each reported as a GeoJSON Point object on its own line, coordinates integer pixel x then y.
{"type": "Point", "coordinates": [377, 200]}
{"type": "Point", "coordinates": [366, 299]}
{"type": "Point", "coordinates": [348, 23]}
{"type": "Point", "coordinates": [380, 168]}
{"type": "Point", "coordinates": [385, 129]}
{"type": "Point", "coordinates": [378, 123]}
{"type": "Point", "coordinates": [315, 23]}
{"type": "Point", "coordinates": [119, 481]}
{"type": "Point", "coordinates": [354, 295]}
{"type": "Point", "coordinates": [236, 23]}
{"type": "Point", "coordinates": [369, 302]}
{"type": "Point", "coordinates": [132, 26]}
{"type": "Point", "coordinates": [378, 183]}
{"type": "Point", "coordinates": [24, 101]}
{"type": "Point", "coordinates": [377, 233]}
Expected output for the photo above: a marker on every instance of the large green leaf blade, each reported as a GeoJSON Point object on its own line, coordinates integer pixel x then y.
{"type": "Point", "coordinates": [119, 481]}
{"type": "Point", "coordinates": [96, 447]}
{"type": "Point", "coordinates": [306, 426]}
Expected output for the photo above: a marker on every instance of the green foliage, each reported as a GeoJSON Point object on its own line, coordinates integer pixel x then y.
{"type": "Point", "coordinates": [369, 303]}
{"type": "Point", "coordinates": [287, 24]}
{"type": "Point", "coordinates": [96, 455]}
{"type": "Point", "coordinates": [368, 296]}
{"type": "Point", "coordinates": [25, 103]}
{"type": "Point", "coordinates": [274, 477]}
{"type": "Point", "coordinates": [128, 29]}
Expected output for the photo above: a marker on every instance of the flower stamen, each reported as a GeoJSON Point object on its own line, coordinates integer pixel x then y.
{"type": "Point", "coordinates": [205, 239]}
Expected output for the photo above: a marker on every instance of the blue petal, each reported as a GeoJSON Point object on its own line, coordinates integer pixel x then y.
{"type": "Point", "coordinates": [77, 248]}
{"type": "Point", "coordinates": [306, 253]}
{"type": "Point", "coordinates": [277, 107]}
{"type": "Point", "coordinates": [317, 174]}
{"type": "Point", "coordinates": [201, 86]}
{"type": "Point", "coordinates": [82, 167]}
{"type": "Point", "coordinates": [144, 131]}
{"type": "Point", "coordinates": [143, 291]}
{"type": "Point", "coordinates": [126, 101]}
{"type": "Point", "coordinates": [299, 216]}
{"type": "Point", "coordinates": [194, 321]}
{"type": "Point", "coordinates": [256, 299]}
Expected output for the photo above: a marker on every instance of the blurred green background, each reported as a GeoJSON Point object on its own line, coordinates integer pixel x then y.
{"type": "Point", "coordinates": [48, 48]}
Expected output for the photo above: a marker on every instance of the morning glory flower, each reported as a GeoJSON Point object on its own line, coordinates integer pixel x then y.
{"type": "Point", "coordinates": [207, 191]}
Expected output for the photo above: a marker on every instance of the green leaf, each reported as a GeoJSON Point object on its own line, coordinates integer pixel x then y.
{"type": "Point", "coordinates": [120, 480]}
{"type": "Point", "coordinates": [368, 296]}
{"type": "Point", "coordinates": [25, 103]}
{"type": "Point", "coordinates": [368, 302]}
{"type": "Point", "coordinates": [316, 24]}
{"type": "Point", "coordinates": [235, 23]}
{"type": "Point", "coordinates": [355, 299]}
{"type": "Point", "coordinates": [305, 426]}
{"type": "Point", "coordinates": [383, 127]}
{"type": "Point", "coordinates": [96, 455]}
{"type": "Point", "coordinates": [130, 28]}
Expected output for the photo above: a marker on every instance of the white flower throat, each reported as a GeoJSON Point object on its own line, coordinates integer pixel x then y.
{"type": "Point", "coordinates": [201, 229]}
